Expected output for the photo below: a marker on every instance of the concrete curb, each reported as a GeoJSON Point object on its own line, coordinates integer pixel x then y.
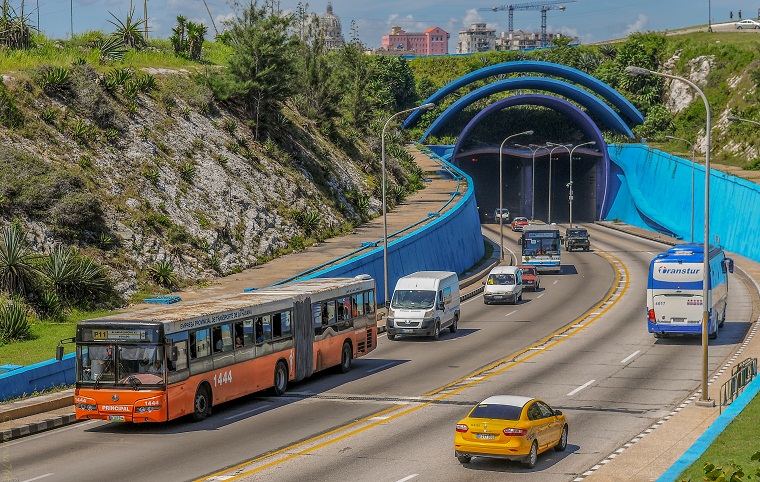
{"type": "Point", "coordinates": [37, 427]}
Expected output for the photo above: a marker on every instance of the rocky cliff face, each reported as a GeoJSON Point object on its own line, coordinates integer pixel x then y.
{"type": "Point", "coordinates": [179, 178]}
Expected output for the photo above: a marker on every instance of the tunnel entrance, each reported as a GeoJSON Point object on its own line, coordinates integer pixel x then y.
{"type": "Point", "coordinates": [517, 188]}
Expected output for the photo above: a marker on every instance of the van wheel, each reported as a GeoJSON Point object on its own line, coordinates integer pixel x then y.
{"type": "Point", "coordinates": [391, 336]}
{"type": "Point", "coordinates": [714, 334]}
{"type": "Point", "coordinates": [280, 379]}
{"type": "Point", "coordinates": [201, 403]}
{"type": "Point", "coordinates": [345, 358]}
{"type": "Point", "coordinates": [437, 331]}
{"type": "Point", "coordinates": [453, 327]}
{"type": "Point", "coordinates": [722, 319]}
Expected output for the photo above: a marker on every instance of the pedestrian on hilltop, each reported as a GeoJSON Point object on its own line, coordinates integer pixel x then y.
{"type": "Point", "coordinates": [740, 14]}
{"type": "Point", "coordinates": [731, 15]}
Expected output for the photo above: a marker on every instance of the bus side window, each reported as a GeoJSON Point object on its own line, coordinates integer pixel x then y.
{"type": "Point", "coordinates": [344, 309]}
{"type": "Point", "coordinates": [357, 303]}
{"type": "Point", "coordinates": [369, 302]}
{"type": "Point", "coordinates": [179, 341]}
{"type": "Point", "coordinates": [227, 338]}
{"type": "Point", "coordinates": [239, 334]}
{"type": "Point", "coordinates": [248, 332]}
{"type": "Point", "coordinates": [200, 343]}
{"type": "Point", "coordinates": [277, 325]}
{"type": "Point", "coordinates": [285, 327]}
{"type": "Point", "coordinates": [316, 309]}
{"type": "Point", "coordinates": [266, 324]}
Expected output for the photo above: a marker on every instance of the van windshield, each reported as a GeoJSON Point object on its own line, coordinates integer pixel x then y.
{"type": "Point", "coordinates": [413, 299]}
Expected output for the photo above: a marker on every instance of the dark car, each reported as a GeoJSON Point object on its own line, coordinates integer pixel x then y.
{"type": "Point", "coordinates": [577, 238]}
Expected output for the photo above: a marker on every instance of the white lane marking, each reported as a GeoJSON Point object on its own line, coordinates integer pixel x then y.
{"type": "Point", "coordinates": [649, 252]}
{"type": "Point", "coordinates": [580, 388]}
{"type": "Point", "coordinates": [380, 367]}
{"type": "Point", "coordinates": [38, 478]}
{"type": "Point", "coordinates": [629, 357]}
{"type": "Point", "coordinates": [510, 313]}
{"type": "Point", "coordinates": [408, 478]}
{"type": "Point", "coordinates": [556, 281]}
{"type": "Point", "coordinates": [237, 415]}
{"type": "Point", "coordinates": [539, 296]}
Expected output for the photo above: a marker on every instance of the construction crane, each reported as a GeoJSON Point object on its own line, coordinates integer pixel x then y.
{"type": "Point", "coordinates": [542, 6]}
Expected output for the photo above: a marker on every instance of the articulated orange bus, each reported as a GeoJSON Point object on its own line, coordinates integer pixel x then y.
{"type": "Point", "coordinates": [158, 364]}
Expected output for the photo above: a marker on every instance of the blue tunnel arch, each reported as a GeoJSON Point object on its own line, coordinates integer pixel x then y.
{"type": "Point", "coordinates": [578, 116]}
{"type": "Point", "coordinates": [604, 112]}
{"type": "Point", "coordinates": [595, 85]}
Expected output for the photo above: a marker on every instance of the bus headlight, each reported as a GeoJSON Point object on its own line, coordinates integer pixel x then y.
{"type": "Point", "coordinates": [86, 406]}
{"type": "Point", "coordinates": [150, 409]}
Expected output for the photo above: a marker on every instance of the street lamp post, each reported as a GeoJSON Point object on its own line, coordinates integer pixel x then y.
{"type": "Point", "coordinates": [590, 143]}
{"type": "Point", "coordinates": [733, 118]}
{"type": "Point", "coordinates": [692, 181]}
{"type": "Point", "coordinates": [427, 106]}
{"type": "Point", "coordinates": [501, 189]}
{"type": "Point", "coordinates": [631, 70]}
{"type": "Point", "coordinates": [556, 146]}
{"type": "Point", "coordinates": [533, 178]}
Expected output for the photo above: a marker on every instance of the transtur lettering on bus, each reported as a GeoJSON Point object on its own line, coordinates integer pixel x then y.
{"type": "Point", "coordinates": [666, 270]}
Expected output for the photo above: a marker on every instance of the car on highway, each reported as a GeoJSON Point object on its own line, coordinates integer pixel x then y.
{"type": "Point", "coordinates": [531, 278]}
{"type": "Point", "coordinates": [577, 238]}
{"type": "Point", "coordinates": [747, 23]}
{"type": "Point", "coordinates": [502, 213]}
{"type": "Point", "coordinates": [518, 223]}
{"type": "Point", "coordinates": [510, 427]}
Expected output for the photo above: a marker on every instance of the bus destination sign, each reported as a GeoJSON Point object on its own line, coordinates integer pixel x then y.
{"type": "Point", "coordinates": [130, 335]}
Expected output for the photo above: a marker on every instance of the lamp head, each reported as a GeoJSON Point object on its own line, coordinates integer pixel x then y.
{"type": "Point", "coordinates": [427, 106]}
{"type": "Point", "coordinates": [733, 118]}
{"type": "Point", "coordinates": [631, 70]}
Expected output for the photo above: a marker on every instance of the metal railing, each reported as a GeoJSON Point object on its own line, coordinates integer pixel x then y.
{"type": "Point", "coordinates": [741, 375]}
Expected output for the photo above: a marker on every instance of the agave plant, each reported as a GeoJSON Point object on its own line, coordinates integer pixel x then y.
{"type": "Point", "coordinates": [50, 305]}
{"type": "Point", "coordinates": [17, 269]}
{"type": "Point", "coordinates": [111, 48]}
{"type": "Point", "coordinates": [310, 221]}
{"type": "Point", "coordinates": [14, 324]}
{"type": "Point", "coordinates": [162, 273]}
{"type": "Point", "coordinates": [54, 79]}
{"type": "Point", "coordinates": [129, 31]}
{"type": "Point", "coordinates": [75, 278]}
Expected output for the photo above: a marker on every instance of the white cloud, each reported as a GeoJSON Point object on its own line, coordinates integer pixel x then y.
{"type": "Point", "coordinates": [639, 25]}
{"type": "Point", "coordinates": [472, 17]}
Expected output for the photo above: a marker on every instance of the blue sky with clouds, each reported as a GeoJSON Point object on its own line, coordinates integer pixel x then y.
{"type": "Point", "coordinates": [589, 20]}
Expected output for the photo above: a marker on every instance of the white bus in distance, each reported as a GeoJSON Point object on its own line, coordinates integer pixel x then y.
{"type": "Point", "coordinates": [674, 291]}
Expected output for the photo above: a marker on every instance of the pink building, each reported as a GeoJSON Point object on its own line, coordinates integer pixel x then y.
{"type": "Point", "coordinates": [433, 41]}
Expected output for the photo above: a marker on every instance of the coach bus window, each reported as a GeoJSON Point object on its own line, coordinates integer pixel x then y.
{"type": "Point", "coordinates": [328, 313]}
{"type": "Point", "coordinates": [344, 309]}
{"type": "Point", "coordinates": [357, 301]}
{"type": "Point", "coordinates": [248, 332]}
{"type": "Point", "coordinates": [200, 344]}
{"type": "Point", "coordinates": [281, 324]}
{"type": "Point", "coordinates": [227, 338]}
{"type": "Point", "coordinates": [179, 340]}
{"type": "Point", "coordinates": [369, 302]}
{"type": "Point", "coordinates": [266, 323]}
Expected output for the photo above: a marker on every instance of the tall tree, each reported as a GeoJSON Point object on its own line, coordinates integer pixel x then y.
{"type": "Point", "coordinates": [263, 64]}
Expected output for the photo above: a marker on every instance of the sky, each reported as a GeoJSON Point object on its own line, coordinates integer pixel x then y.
{"type": "Point", "coordinates": [589, 20]}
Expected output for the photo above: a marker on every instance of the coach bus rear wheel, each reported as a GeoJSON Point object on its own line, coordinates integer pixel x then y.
{"type": "Point", "coordinates": [201, 404]}
{"type": "Point", "coordinates": [280, 379]}
{"type": "Point", "coordinates": [345, 358]}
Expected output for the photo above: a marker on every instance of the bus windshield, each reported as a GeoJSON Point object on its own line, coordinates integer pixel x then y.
{"type": "Point", "coordinates": [533, 245]}
{"type": "Point", "coordinates": [114, 364]}
{"type": "Point", "coordinates": [413, 299]}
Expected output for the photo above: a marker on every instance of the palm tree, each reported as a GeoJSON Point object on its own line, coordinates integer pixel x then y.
{"type": "Point", "coordinates": [196, 33]}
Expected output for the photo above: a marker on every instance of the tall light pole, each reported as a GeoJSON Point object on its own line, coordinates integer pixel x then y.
{"type": "Point", "coordinates": [631, 70]}
{"type": "Point", "coordinates": [733, 118]}
{"type": "Point", "coordinates": [533, 177]}
{"type": "Point", "coordinates": [691, 239]}
{"type": "Point", "coordinates": [501, 189]}
{"type": "Point", "coordinates": [385, 220]}
{"type": "Point", "coordinates": [590, 143]}
{"type": "Point", "coordinates": [556, 146]}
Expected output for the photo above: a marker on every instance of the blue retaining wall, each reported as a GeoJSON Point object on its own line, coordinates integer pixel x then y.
{"type": "Point", "coordinates": [652, 189]}
{"type": "Point", "coordinates": [38, 377]}
{"type": "Point", "coordinates": [452, 242]}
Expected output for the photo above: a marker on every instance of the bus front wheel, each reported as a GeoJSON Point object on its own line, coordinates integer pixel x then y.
{"type": "Point", "coordinates": [280, 379]}
{"type": "Point", "coordinates": [201, 403]}
{"type": "Point", "coordinates": [345, 358]}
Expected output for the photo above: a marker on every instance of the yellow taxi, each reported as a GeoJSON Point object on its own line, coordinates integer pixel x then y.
{"type": "Point", "coordinates": [510, 427]}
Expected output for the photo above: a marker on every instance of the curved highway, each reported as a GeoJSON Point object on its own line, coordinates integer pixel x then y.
{"type": "Point", "coordinates": [580, 343]}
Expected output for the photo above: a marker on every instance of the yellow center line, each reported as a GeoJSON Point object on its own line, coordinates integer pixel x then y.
{"type": "Point", "coordinates": [508, 362]}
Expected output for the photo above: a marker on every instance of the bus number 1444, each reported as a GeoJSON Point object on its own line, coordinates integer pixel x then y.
{"type": "Point", "coordinates": [222, 378]}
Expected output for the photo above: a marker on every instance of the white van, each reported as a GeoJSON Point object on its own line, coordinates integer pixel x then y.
{"type": "Point", "coordinates": [424, 303]}
{"type": "Point", "coordinates": [504, 283]}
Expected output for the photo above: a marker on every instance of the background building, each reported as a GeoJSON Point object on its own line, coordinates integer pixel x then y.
{"type": "Point", "coordinates": [330, 25]}
{"type": "Point", "coordinates": [478, 38]}
{"type": "Point", "coordinates": [519, 40]}
{"type": "Point", "coordinates": [433, 41]}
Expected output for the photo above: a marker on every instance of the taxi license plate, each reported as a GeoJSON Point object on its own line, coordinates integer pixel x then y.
{"type": "Point", "coordinates": [406, 331]}
{"type": "Point", "coordinates": [116, 418]}
{"type": "Point", "coordinates": [484, 436]}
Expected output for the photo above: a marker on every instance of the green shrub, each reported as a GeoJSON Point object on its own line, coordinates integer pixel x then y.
{"type": "Point", "coordinates": [14, 324]}
{"type": "Point", "coordinates": [50, 305]}
{"type": "Point", "coordinates": [162, 272]}
{"type": "Point", "coordinates": [10, 115]}
{"type": "Point", "coordinates": [17, 262]}
{"type": "Point", "coordinates": [76, 278]}
{"type": "Point", "coordinates": [49, 115]}
{"type": "Point", "coordinates": [53, 79]}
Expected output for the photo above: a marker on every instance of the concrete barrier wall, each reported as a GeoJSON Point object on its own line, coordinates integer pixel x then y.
{"type": "Point", "coordinates": [38, 377]}
{"type": "Point", "coordinates": [653, 190]}
{"type": "Point", "coordinates": [452, 242]}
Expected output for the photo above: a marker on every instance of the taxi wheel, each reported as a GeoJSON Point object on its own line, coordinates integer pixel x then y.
{"type": "Point", "coordinates": [532, 458]}
{"type": "Point", "coordinates": [201, 403]}
{"type": "Point", "coordinates": [437, 331]}
{"type": "Point", "coordinates": [562, 444]}
{"type": "Point", "coordinates": [464, 459]}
